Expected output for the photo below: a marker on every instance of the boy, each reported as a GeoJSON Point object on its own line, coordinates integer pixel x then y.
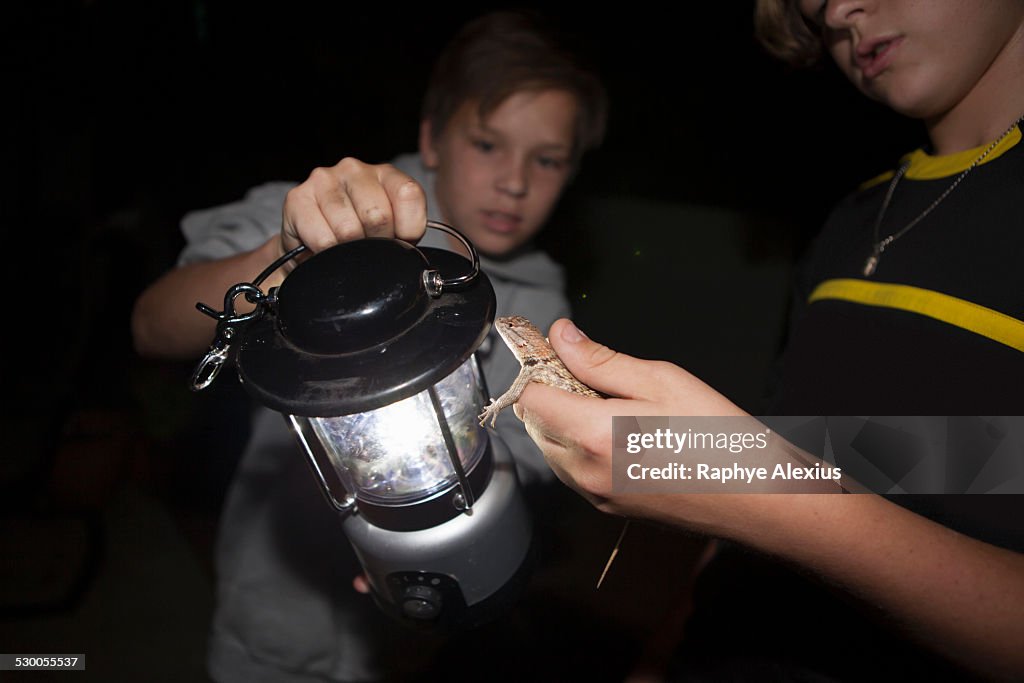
{"type": "Point", "coordinates": [910, 303]}
{"type": "Point", "coordinates": [506, 118]}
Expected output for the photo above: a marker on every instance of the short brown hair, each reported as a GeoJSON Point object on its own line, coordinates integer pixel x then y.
{"type": "Point", "coordinates": [785, 33]}
{"type": "Point", "coordinates": [502, 53]}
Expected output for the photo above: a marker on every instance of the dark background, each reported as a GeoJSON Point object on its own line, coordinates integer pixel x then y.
{"type": "Point", "coordinates": [122, 116]}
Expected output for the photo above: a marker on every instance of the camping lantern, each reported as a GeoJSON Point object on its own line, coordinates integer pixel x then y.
{"type": "Point", "coordinates": [367, 350]}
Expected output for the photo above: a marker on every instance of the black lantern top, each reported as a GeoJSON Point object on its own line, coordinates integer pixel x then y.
{"type": "Point", "coordinates": [361, 325]}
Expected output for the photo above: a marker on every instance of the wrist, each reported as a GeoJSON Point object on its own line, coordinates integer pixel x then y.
{"type": "Point", "coordinates": [267, 253]}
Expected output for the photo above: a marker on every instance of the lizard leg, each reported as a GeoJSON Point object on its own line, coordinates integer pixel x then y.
{"type": "Point", "coordinates": [508, 398]}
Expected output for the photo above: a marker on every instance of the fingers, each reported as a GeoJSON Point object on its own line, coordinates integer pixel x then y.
{"type": "Point", "coordinates": [357, 204]}
{"type": "Point", "coordinates": [555, 452]}
{"type": "Point", "coordinates": [574, 432]}
{"type": "Point", "coordinates": [408, 203]}
{"type": "Point", "coordinates": [303, 222]}
{"type": "Point", "coordinates": [563, 418]}
{"type": "Point", "coordinates": [603, 369]}
{"type": "Point", "coordinates": [352, 200]}
{"type": "Point", "coordinates": [656, 387]}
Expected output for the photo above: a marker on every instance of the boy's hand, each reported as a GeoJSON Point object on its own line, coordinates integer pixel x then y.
{"type": "Point", "coordinates": [351, 200]}
{"type": "Point", "coordinates": [575, 432]}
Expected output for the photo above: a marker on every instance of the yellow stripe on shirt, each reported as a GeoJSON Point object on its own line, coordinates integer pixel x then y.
{"type": "Point", "coordinates": [949, 309]}
{"type": "Point", "coordinates": [924, 166]}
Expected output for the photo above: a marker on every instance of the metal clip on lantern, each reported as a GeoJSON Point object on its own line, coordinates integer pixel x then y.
{"type": "Point", "coordinates": [367, 349]}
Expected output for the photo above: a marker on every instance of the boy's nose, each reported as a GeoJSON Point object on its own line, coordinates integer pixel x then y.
{"type": "Point", "coordinates": [512, 179]}
{"type": "Point", "coordinates": [840, 14]}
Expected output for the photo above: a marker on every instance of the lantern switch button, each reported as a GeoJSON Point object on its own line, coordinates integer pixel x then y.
{"type": "Point", "coordinates": [421, 602]}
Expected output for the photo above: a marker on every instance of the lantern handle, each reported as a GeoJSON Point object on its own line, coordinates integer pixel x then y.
{"type": "Point", "coordinates": [432, 280]}
{"type": "Point", "coordinates": [228, 320]}
{"type": "Point", "coordinates": [281, 260]}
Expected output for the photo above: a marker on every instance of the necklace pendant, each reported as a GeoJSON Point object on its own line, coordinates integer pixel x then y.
{"type": "Point", "coordinates": [870, 265]}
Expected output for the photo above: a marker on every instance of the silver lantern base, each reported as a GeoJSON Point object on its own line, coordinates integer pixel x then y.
{"type": "Point", "coordinates": [457, 574]}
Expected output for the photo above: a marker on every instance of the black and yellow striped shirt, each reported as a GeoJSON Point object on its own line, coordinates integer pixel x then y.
{"type": "Point", "coordinates": [938, 329]}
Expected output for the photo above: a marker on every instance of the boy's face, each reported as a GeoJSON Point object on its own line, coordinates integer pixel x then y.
{"type": "Point", "coordinates": [498, 179]}
{"type": "Point", "coordinates": [919, 57]}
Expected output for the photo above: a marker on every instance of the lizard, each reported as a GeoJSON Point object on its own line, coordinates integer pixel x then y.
{"type": "Point", "coordinates": [539, 363]}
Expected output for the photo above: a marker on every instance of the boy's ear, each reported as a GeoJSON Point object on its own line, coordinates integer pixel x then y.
{"type": "Point", "coordinates": [427, 151]}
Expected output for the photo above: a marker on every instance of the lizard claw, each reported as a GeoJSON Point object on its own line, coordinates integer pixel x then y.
{"type": "Point", "coordinates": [489, 412]}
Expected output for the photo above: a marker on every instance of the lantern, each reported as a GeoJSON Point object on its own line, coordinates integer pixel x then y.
{"type": "Point", "coordinates": [367, 350]}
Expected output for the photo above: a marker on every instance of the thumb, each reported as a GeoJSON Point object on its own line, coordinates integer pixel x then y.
{"type": "Point", "coordinates": [599, 367]}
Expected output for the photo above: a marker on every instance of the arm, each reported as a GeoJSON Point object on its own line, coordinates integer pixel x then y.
{"type": "Point", "coordinates": [953, 594]}
{"type": "Point", "coordinates": [165, 322]}
{"type": "Point", "coordinates": [348, 201]}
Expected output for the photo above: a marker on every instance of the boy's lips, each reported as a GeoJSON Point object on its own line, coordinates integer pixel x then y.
{"type": "Point", "coordinates": [501, 222]}
{"type": "Point", "coordinates": [874, 55]}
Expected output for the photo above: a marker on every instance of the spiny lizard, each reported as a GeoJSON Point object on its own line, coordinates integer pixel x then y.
{"type": "Point", "coordinates": [539, 363]}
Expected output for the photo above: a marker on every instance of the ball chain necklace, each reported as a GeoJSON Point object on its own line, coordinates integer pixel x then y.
{"type": "Point", "coordinates": [880, 245]}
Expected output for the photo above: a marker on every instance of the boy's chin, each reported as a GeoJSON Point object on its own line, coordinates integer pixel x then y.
{"type": "Point", "coordinates": [907, 99]}
{"type": "Point", "coordinates": [502, 252]}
